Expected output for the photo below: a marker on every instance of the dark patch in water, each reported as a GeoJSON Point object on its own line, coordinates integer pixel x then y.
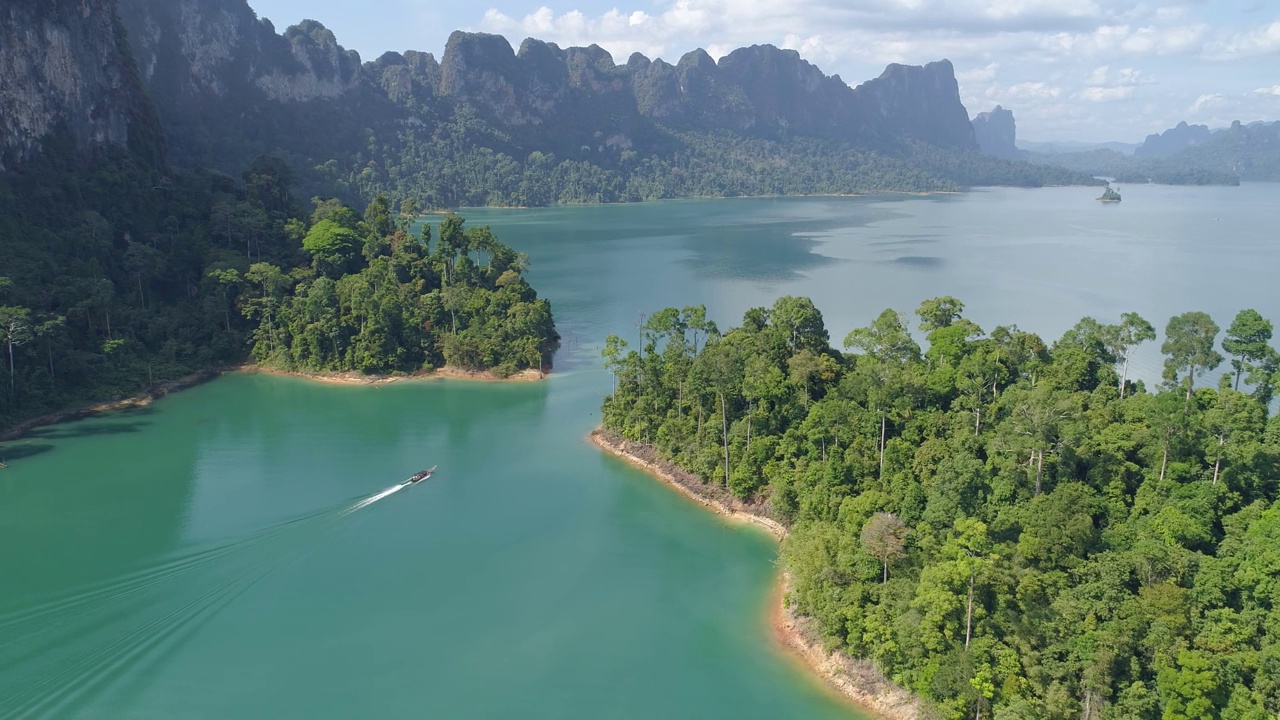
{"type": "Point", "coordinates": [924, 262]}
{"type": "Point", "coordinates": [906, 240]}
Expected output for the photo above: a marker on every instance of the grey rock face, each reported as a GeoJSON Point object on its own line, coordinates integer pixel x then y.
{"type": "Point", "coordinates": [1173, 141]}
{"type": "Point", "coordinates": [997, 133]}
{"type": "Point", "coordinates": [62, 66]}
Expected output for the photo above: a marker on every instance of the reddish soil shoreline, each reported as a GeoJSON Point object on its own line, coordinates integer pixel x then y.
{"type": "Point", "coordinates": [859, 682]}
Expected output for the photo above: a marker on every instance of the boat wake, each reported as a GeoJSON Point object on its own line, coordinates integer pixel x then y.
{"type": "Point", "coordinates": [376, 497]}
{"type": "Point", "coordinates": [83, 647]}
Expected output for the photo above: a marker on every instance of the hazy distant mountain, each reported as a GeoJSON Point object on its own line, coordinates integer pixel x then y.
{"type": "Point", "coordinates": [1072, 146]}
{"type": "Point", "coordinates": [1173, 141]}
{"type": "Point", "coordinates": [997, 133]}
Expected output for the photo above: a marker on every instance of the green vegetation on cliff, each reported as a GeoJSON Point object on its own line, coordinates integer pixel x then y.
{"type": "Point", "coordinates": [1010, 530]}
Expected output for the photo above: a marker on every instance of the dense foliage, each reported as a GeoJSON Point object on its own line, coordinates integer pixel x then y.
{"type": "Point", "coordinates": [117, 275]}
{"type": "Point", "coordinates": [376, 299]}
{"type": "Point", "coordinates": [458, 165]}
{"type": "Point", "coordinates": [1010, 530]}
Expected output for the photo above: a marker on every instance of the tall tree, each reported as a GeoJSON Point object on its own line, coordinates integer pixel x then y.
{"type": "Point", "coordinates": [939, 312]}
{"type": "Point", "coordinates": [1247, 341]}
{"type": "Point", "coordinates": [15, 330]}
{"type": "Point", "coordinates": [884, 537]}
{"type": "Point", "coordinates": [801, 322]}
{"type": "Point", "coordinates": [1125, 338]}
{"type": "Point", "coordinates": [1189, 340]}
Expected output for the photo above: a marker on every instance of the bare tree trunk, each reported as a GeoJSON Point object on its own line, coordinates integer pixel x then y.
{"type": "Point", "coordinates": [1039, 471]}
{"type": "Point", "coordinates": [1124, 378]}
{"type": "Point", "coordinates": [1164, 461]}
{"type": "Point", "coordinates": [885, 579]}
{"type": "Point", "coordinates": [977, 420]}
{"type": "Point", "coordinates": [1217, 463]}
{"type": "Point", "coordinates": [883, 425]}
{"type": "Point", "coordinates": [968, 616]}
{"type": "Point", "coordinates": [1191, 381]}
{"type": "Point", "coordinates": [750, 412]}
{"type": "Point", "coordinates": [11, 372]}
{"type": "Point", "coordinates": [724, 423]}
{"type": "Point", "coordinates": [52, 377]}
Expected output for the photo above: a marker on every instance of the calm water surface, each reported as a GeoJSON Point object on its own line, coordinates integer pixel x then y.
{"type": "Point", "coordinates": [201, 558]}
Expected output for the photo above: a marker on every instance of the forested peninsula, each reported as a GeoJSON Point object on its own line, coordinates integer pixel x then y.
{"type": "Point", "coordinates": [120, 276]}
{"type": "Point", "coordinates": [1008, 529]}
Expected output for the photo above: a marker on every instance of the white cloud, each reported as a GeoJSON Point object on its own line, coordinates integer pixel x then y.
{"type": "Point", "coordinates": [1253, 43]}
{"type": "Point", "coordinates": [1206, 102]}
{"type": "Point", "coordinates": [1273, 90]}
{"type": "Point", "coordinates": [1024, 91]}
{"type": "Point", "coordinates": [1106, 94]}
{"type": "Point", "coordinates": [1105, 76]}
{"type": "Point", "coordinates": [978, 75]}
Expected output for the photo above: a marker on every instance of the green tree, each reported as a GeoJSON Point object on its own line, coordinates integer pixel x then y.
{"type": "Point", "coordinates": [1247, 341]}
{"type": "Point", "coordinates": [1132, 331]}
{"type": "Point", "coordinates": [1189, 340]}
{"type": "Point", "coordinates": [939, 312]}
{"type": "Point", "coordinates": [15, 330]}
{"type": "Point", "coordinates": [332, 246]}
{"type": "Point", "coordinates": [801, 323]}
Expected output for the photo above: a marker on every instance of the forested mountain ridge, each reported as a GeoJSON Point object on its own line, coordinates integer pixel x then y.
{"type": "Point", "coordinates": [486, 124]}
{"type": "Point", "coordinates": [1183, 155]}
{"type": "Point", "coordinates": [1009, 529]}
{"type": "Point", "coordinates": [117, 274]}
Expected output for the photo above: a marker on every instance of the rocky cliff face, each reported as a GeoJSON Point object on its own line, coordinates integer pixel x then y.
{"type": "Point", "coordinates": [997, 134]}
{"type": "Point", "coordinates": [64, 66]}
{"type": "Point", "coordinates": [229, 87]}
{"type": "Point", "coordinates": [919, 102]}
{"type": "Point", "coordinates": [760, 90]}
{"type": "Point", "coordinates": [221, 47]}
{"type": "Point", "coordinates": [1173, 141]}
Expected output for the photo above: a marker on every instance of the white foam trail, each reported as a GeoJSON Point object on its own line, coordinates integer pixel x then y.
{"type": "Point", "coordinates": [375, 498]}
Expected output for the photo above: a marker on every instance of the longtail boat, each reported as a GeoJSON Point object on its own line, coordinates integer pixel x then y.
{"type": "Point", "coordinates": [419, 477]}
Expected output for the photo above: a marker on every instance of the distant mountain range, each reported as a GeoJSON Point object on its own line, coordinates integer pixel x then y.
{"type": "Point", "coordinates": [1070, 146]}
{"type": "Point", "coordinates": [486, 123]}
{"type": "Point", "coordinates": [1182, 155]}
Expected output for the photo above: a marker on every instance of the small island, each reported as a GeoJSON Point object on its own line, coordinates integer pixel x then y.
{"type": "Point", "coordinates": [1110, 195]}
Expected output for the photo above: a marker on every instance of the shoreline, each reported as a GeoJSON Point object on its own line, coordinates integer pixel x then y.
{"type": "Point", "coordinates": [857, 682]}
{"type": "Point", "coordinates": [142, 399]}
{"type": "Point", "coordinates": [356, 378]}
{"type": "Point", "coordinates": [150, 395]}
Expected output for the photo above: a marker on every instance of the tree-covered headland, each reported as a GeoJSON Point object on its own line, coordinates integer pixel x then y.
{"type": "Point", "coordinates": [1008, 528]}
{"type": "Point", "coordinates": [117, 275]}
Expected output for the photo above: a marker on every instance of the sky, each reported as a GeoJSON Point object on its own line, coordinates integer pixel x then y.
{"type": "Point", "coordinates": [1086, 70]}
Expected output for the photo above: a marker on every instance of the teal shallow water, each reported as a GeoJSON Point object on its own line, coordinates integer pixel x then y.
{"type": "Point", "coordinates": [195, 558]}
